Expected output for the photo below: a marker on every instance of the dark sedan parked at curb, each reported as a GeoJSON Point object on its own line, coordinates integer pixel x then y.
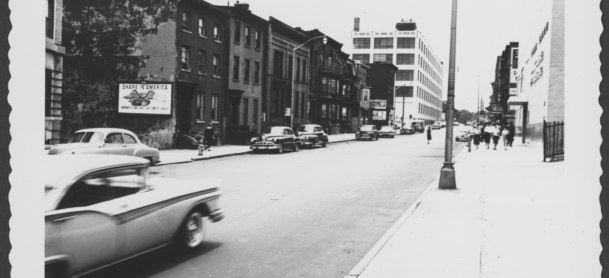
{"type": "Point", "coordinates": [367, 132]}
{"type": "Point", "coordinates": [387, 131]}
{"type": "Point", "coordinates": [107, 141]}
{"type": "Point", "coordinates": [103, 209]}
{"type": "Point", "coordinates": [276, 138]}
{"type": "Point", "coordinates": [311, 135]}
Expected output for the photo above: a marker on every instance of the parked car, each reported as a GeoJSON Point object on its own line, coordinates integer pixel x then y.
{"type": "Point", "coordinates": [276, 138]}
{"type": "Point", "coordinates": [107, 141]}
{"type": "Point", "coordinates": [387, 131]}
{"type": "Point", "coordinates": [102, 209]}
{"type": "Point", "coordinates": [311, 135]}
{"type": "Point", "coordinates": [407, 129]}
{"type": "Point", "coordinates": [456, 124]}
{"type": "Point", "coordinates": [436, 126]}
{"type": "Point", "coordinates": [463, 135]}
{"type": "Point", "coordinates": [418, 125]}
{"type": "Point", "coordinates": [367, 132]}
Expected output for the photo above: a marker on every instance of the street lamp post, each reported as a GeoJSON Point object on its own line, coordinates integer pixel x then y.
{"type": "Point", "coordinates": [294, 73]}
{"type": "Point", "coordinates": [447, 174]}
{"type": "Point", "coordinates": [478, 100]}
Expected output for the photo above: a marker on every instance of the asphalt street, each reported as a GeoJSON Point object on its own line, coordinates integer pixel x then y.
{"type": "Point", "coordinates": [311, 213]}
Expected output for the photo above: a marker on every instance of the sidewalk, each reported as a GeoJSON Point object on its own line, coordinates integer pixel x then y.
{"type": "Point", "coordinates": [186, 156]}
{"type": "Point", "coordinates": [503, 221]}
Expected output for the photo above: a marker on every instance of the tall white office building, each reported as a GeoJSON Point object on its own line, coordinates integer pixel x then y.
{"type": "Point", "coordinates": [418, 81]}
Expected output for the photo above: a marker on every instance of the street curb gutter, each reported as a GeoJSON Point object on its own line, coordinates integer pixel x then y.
{"type": "Point", "coordinates": [225, 155]}
{"type": "Point", "coordinates": [365, 261]}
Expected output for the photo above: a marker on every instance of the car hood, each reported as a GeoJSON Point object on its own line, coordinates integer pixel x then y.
{"type": "Point", "coordinates": [69, 148]}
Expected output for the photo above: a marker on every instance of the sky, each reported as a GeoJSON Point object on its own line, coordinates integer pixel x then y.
{"type": "Point", "coordinates": [484, 28]}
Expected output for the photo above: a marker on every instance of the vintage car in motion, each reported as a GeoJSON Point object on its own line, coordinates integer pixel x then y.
{"type": "Point", "coordinates": [102, 209]}
{"type": "Point", "coordinates": [367, 132]}
{"type": "Point", "coordinates": [311, 135]}
{"type": "Point", "coordinates": [436, 125]}
{"type": "Point", "coordinates": [387, 131]}
{"type": "Point", "coordinates": [107, 141]}
{"type": "Point", "coordinates": [418, 126]}
{"type": "Point", "coordinates": [463, 135]}
{"type": "Point", "coordinates": [276, 138]}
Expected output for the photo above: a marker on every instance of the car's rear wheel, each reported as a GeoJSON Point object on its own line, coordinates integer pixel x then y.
{"type": "Point", "coordinates": [193, 230]}
{"type": "Point", "coordinates": [377, 138]}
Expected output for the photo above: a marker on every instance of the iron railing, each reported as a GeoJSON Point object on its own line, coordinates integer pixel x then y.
{"type": "Point", "coordinates": [553, 140]}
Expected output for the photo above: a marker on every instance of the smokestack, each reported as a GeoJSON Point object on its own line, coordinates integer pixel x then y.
{"type": "Point", "coordinates": [356, 25]}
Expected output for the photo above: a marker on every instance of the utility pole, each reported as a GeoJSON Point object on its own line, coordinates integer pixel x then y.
{"type": "Point", "coordinates": [478, 100]}
{"type": "Point", "coordinates": [447, 174]}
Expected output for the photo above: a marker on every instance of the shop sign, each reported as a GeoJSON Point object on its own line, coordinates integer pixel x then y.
{"type": "Point", "coordinates": [379, 115]}
{"type": "Point", "coordinates": [150, 98]}
{"type": "Point", "coordinates": [378, 104]}
{"type": "Point", "coordinates": [364, 104]}
{"type": "Point", "coordinates": [537, 73]}
{"type": "Point", "coordinates": [287, 111]}
{"type": "Point", "coordinates": [513, 91]}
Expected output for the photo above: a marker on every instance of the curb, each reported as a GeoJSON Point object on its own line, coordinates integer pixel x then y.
{"type": "Point", "coordinates": [378, 246]}
{"type": "Point", "coordinates": [197, 158]}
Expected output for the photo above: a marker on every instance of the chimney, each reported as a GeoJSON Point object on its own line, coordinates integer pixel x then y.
{"type": "Point", "coordinates": [356, 25]}
{"type": "Point", "coordinates": [243, 6]}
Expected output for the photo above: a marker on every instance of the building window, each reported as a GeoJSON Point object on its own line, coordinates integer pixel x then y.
{"type": "Point", "coordinates": [296, 99]}
{"type": "Point", "coordinates": [236, 68]}
{"type": "Point", "coordinates": [185, 21]}
{"type": "Point", "coordinates": [48, 92]}
{"type": "Point", "coordinates": [297, 70]}
{"type": "Point", "coordinates": [344, 90]}
{"type": "Point", "coordinates": [237, 32]}
{"type": "Point", "coordinates": [214, 107]}
{"type": "Point", "coordinates": [333, 86]}
{"type": "Point", "coordinates": [246, 111]}
{"type": "Point", "coordinates": [404, 75]}
{"type": "Point", "coordinates": [256, 72]}
{"type": "Point", "coordinates": [333, 111]}
{"type": "Point", "coordinates": [324, 84]}
{"type": "Point", "coordinates": [202, 27]}
{"type": "Point", "coordinates": [248, 36]}
{"type": "Point", "coordinates": [218, 32]}
{"type": "Point", "coordinates": [257, 39]}
{"type": "Point", "coordinates": [344, 113]}
{"type": "Point", "coordinates": [304, 71]}
{"type": "Point", "coordinates": [290, 66]}
{"type": "Point", "coordinates": [383, 43]}
{"type": "Point", "coordinates": [255, 118]}
{"type": "Point", "coordinates": [185, 59]}
{"type": "Point", "coordinates": [364, 58]}
{"type": "Point", "coordinates": [405, 59]}
{"type": "Point", "coordinates": [324, 111]}
{"type": "Point", "coordinates": [383, 58]}
{"type": "Point", "coordinates": [50, 23]}
{"type": "Point", "coordinates": [216, 65]}
{"type": "Point", "coordinates": [278, 63]}
{"type": "Point", "coordinates": [361, 43]}
{"type": "Point", "coordinates": [405, 42]}
{"type": "Point", "coordinates": [200, 105]}
{"type": "Point", "coordinates": [246, 72]}
{"type": "Point", "coordinates": [202, 59]}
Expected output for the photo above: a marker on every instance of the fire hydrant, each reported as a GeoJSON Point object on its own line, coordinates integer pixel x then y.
{"type": "Point", "coordinates": [201, 148]}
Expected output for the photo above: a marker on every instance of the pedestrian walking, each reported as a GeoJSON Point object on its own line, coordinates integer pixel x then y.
{"type": "Point", "coordinates": [477, 133]}
{"type": "Point", "coordinates": [428, 134]}
{"type": "Point", "coordinates": [486, 135]}
{"type": "Point", "coordinates": [504, 135]}
{"type": "Point", "coordinates": [208, 136]}
{"type": "Point", "coordinates": [512, 130]}
{"type": "Point", "coordinates": [496, 133]}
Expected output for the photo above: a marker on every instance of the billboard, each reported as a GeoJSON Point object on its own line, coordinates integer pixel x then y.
{"type": "Point", "coordinates": [378, 104]}
{"type": "Point", "coordinates": [150, 98]}
{"type": "Point", "coordinates": [379, 115]}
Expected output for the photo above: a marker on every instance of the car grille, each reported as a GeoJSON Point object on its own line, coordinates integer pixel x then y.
{"type": "Point", "coordinates": [264, 143]}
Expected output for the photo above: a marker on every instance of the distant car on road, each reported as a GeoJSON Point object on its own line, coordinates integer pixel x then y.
{"type": "Point", "coordinates": [107, 141]}
{"type": "Point", "coordinates": [103, 209]}
{"type": "Point", "coordinates": [442, 124]}
{"type": "Point", "coordinates": [276, 138]}
{"type": "Point", "coordinates": [418, 126]}
{"type": "Point", "coordinates": [367, 132]}
{"type": "Point", "coordinates": [456, 124]}
{"type": "Point", "coordinates": [436, 126]}
{"type": "Point", "coordinates": [462, 135]}
{"type": "Point", "coordinates": [387, 131]}
{"type": "Point", "coordinates": [311, 135]}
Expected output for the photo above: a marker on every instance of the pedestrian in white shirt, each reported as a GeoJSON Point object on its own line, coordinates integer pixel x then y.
{"type": "Point", "coordinates": [496, 133]}
{"type": "Point", "coordinates": [505, 135]}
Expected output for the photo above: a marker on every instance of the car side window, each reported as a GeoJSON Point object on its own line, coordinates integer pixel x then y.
{"type": "Point", "coordinates": [102, 187]}
{"type": "Point", "coordinates": [129, 139]}
{"type": "Point", "coordinates": [114, 138]}
{"type": "Point", "coordinates": [317, 129]}
{"type": "Point", "coordinates": [285, 132]}
{"type": "Point", "coordinates": [289, 132]}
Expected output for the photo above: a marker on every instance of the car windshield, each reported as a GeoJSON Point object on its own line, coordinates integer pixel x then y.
{"type": "Point", "coordinates": [366, 128]}
{"type": "Point", "coordinates": [306, 128]}
{"type": "Point", "coordinates": [386, 128]}
{"type": "Point", "coordinates": [417, 124]}
{"type": "Point", "coordinates": [87, 137]}
{"type": "Point", "coordinates": [274, 130]}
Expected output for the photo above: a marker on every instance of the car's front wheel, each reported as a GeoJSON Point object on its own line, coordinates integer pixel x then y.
{"type": "Point", "coordinates": [323, 145]}
{"type": "Point", "coordinates": [193, 230]}
{"type": "Point", "coordinates": [280, 150]}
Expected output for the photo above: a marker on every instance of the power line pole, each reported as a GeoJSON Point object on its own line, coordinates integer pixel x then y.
{"type": "Point", "coordinates": [447, 174]}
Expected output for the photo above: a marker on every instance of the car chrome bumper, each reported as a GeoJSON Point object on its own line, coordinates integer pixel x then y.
{"type": "Point", "coordinates": [265, 147]}
{"type": "Point", "coordinates": [216, 215]}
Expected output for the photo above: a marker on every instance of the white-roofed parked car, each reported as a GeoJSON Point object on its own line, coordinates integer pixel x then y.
{"type": "Point", "coordinates": [107, 141]}
{"type": "Point", "coordinates": [102, 209]}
